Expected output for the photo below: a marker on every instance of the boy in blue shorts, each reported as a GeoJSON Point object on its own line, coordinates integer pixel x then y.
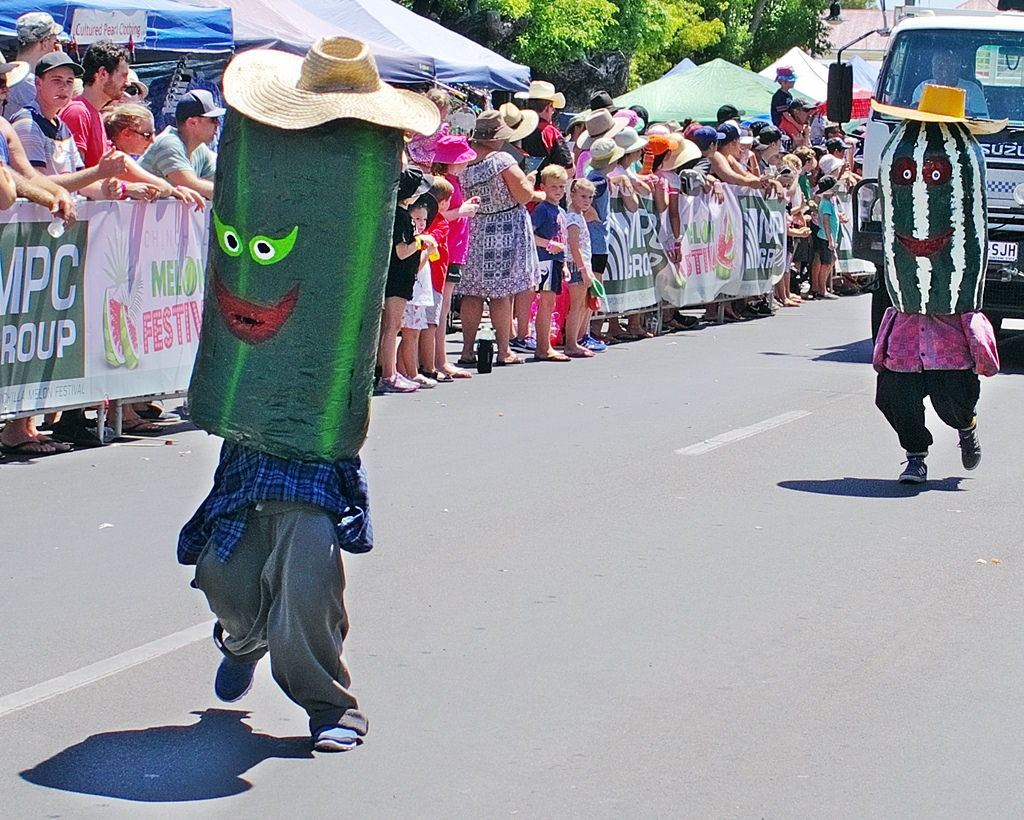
{"type": "Point", "coordinates": [549, 234]}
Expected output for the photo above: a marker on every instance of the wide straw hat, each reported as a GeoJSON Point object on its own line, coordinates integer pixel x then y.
{"type": "Point", "coordinates": [941, 103]}
{"type": "Point", "coordinates": [16, 71]}
{"type": "Point", "coordinates": [337, 79]}
{"type": "Point", "coordinates": [599, 124]}
{"type": "Point", "coordinates": [521, 121]}
{"type": "Point", "coordinates": [686, 152]}
{"type": "Point", "coordinates": [452, 149]}
{"type": "Point", "coordinates": [604, 152]}
{"type": "Point", "coordinates": [541, 90]}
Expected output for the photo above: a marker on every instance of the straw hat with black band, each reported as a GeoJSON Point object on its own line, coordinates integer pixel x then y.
{"type": "Point", "coordinates": [541, 90]}
{"type": "Point", "coordinates": [518, 118]}
{"type": "Point", "coordinates": [336, 79]}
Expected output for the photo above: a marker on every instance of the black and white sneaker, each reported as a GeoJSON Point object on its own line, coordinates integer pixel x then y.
{"type": "Point", "coordinates": [916, 471]}
{"type": "Point", "coordinates": [970, 448]}
{"type": "Point", "coordinates": [336, 739]}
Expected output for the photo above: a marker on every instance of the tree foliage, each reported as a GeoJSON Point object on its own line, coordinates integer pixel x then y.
{"type": "Point", "coordinates": [584, 45]}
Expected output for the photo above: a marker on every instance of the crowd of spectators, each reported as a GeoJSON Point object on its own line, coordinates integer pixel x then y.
{"type": "Point", "coordinates": [96, 140]}
{"type": "Point", "coordinates": [535, 229]}
{"type": "Point", "coordinates": [512, 219]}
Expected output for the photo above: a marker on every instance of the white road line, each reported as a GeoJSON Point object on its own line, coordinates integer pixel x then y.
{"type": "Point", "coordinates": [710, 444]}
{"type": "Point", "coordinates": [103, 669]}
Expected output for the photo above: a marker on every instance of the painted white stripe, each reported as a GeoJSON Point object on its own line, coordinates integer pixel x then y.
{"type": "Point", "coordinates": [103, 669]}
{"type": "Point", "coordinates": [740, 433]}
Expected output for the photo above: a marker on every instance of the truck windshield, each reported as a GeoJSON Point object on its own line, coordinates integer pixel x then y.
{"type": "Point", "coordinates": [988, 65]}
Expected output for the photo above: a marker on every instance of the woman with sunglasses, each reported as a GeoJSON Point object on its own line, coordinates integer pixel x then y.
{"type": "Point", "coordinates": [130, 128]}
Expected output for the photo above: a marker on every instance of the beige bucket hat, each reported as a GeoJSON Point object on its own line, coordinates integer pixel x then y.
{"type": "Point", "coordinates": [337, 79]}
{"type": "Point", "coordinates": [541, 90]}
{"type": "Point", "coordinates": [599, 124]}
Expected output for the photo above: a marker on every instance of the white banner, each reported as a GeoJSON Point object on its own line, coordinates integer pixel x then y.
{"type": "Point", "coordinates": [711, 247]}
{"type": "Point", "coordinates": [112, 309]}
{"type": "Point", "coordinates": [90, 25]}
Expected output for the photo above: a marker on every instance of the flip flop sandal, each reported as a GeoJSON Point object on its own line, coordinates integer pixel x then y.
{"type": "Point", "coordinates": [513, 360]}
{"type": "Point", "coordinates": [35, 447]}
{"type": "Point", "coordinates": [467, 362]}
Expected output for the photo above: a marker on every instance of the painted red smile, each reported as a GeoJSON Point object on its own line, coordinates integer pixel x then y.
{"type": "Point", "coordinates": [925, 247]}
{"type": "Point", "coordinates": [250, 322]}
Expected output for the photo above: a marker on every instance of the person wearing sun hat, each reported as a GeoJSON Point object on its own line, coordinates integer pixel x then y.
{"type": "Point", "coordinates": [603, 157]}
{"type": "Point", "coordinates": [783, 96]}
{"type": "Point", "coordinates": [500, 258]}
{"type": "Point", "coordinates": [300, 236]}
{"type": "Point", "coordinates": [546, 144]}
{"type": "Point", "coordinates": [934, 340]}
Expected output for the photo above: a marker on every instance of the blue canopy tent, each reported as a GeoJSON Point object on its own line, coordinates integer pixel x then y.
{"type": "Point", "coordinates": [171, 26]}
{"type": "Point", "coordinates": [457, 59]}
{"type": "Point", "coordinates": [284, 25]}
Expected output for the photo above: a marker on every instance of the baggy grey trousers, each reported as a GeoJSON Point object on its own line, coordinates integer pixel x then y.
{"type": "Point", "coordinates": [282, 592]}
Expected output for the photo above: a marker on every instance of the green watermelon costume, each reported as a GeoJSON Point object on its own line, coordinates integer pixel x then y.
{"type": "Point", "coordinates": [301, 228]}
{"type": "Point", "coordinates": [934, 341]}
{"type": "Point", "coordinates": [286, 356]}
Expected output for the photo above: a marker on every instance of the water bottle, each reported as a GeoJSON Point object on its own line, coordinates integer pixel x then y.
{"type": "Point", "coordinates": [484, 355]}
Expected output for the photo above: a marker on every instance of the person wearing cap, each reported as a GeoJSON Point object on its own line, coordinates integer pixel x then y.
{"type": "Point", "coordinates": [38, 35]}
{"type": "Point", "coordinates": [181, 153]}
{"type": "Point", "coordinates": [546, 141]}
{"type": "Point", "coordinates": [500, 258]}
{"type": "Point", "coordinates": [48, 143]}
{"type": "Point", "coordinates": [795, 124]}
{"type": "Point", "coordinates": [786, 78]}
{"type": "Point", "coordinates": [825, 238]}
{"type": "Point", "coordinates": [767, 151]}
{"type": "Point", "coordinates": [728, 112]}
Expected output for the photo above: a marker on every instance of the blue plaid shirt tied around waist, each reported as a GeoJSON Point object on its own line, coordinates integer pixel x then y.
{"type": "Point", "coordinates": [246, 477]}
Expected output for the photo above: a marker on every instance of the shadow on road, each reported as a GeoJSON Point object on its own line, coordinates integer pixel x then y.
{"type": "Point", "coordinates": [871, 487]}
{"type": "Point", "coordinates": [850, 353]}
{"type": "Point", "coordinates": [167, 763]}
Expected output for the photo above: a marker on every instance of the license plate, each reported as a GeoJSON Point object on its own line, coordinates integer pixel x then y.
{"type": "Point", "coordinates": [1002, 251]}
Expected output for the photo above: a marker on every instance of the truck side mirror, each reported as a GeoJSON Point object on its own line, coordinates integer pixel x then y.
{"type": "Point", "coordinates": [840, 91]}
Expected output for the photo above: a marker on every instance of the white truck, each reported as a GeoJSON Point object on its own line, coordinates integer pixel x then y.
{"type": "Point", "coordinates": [982, 52]}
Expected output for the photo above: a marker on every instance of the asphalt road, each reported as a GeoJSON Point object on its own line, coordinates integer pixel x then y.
{"type": "Point", "coordinates": [677, 580]}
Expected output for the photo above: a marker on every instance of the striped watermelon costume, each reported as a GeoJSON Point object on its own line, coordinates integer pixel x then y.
{"type": "Point", "coordinates": [934, 341]}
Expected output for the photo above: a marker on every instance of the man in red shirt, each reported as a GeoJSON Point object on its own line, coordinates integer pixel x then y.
{"type": "Point", "coordinates": [105, 67]}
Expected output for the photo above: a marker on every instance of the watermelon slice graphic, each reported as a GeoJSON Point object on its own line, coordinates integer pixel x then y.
{"type": "Point", "coordinates": [112, 346]}
{"type": "Point", "coordinates": [725, 251]}
{"type": "Point", "coordinates": [120, 338]}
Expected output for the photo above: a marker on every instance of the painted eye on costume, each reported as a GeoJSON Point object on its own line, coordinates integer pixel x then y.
{"type": "Point", "coordinates": [267, 251]}
{"type": "Point", "coordinates": [937, 171]}
{"type": "Point", "coordinates": [904, 169]}
{"type": "Point", "coordinates": [227, 238]}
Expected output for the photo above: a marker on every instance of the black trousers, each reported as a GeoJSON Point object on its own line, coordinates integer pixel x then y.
{"type": "Point", "coordinates": [900, 397]}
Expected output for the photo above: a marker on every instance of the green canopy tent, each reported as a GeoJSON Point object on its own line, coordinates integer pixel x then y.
{"type": "Point", "coordinates": [699, 92]}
